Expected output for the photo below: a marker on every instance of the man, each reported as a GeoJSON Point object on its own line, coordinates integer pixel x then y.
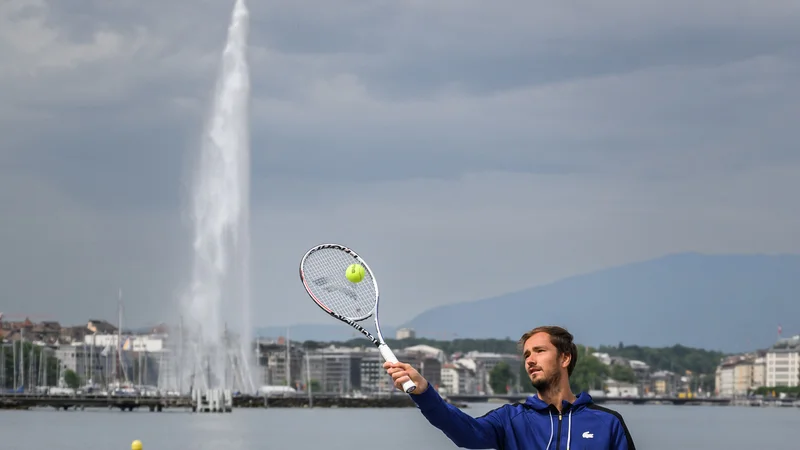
{"type": "Point", "coordinates": [554, 418]}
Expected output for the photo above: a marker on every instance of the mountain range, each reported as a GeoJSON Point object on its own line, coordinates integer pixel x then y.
{"type": "Point", "coordinates": [730, 303]}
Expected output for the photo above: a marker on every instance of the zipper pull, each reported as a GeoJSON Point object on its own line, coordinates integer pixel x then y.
{"type": "Point", "coordinates": [559, 417]}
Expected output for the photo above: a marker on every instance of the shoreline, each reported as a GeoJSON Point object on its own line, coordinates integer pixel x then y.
{"type": "Point", "coordinates": [158, 404]}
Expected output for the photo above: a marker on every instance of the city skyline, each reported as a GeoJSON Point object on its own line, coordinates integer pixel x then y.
{"type": "Point", "coordinates": [152, 360]}
{"type": "Point", "coordinates": [103, 327]}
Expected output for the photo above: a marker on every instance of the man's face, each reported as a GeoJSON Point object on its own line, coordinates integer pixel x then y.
{"type": "Point", "coordinates": [542, 362]}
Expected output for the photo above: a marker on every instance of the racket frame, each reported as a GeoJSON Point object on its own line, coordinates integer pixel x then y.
{"type": "Point", "coordinates": [386, 352]}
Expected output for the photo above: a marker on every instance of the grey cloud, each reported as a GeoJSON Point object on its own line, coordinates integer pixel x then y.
{"type": "Point", "coordinates": [662, 118]}
{"type": "Point", "coordinates": [566, 138]}
{"type": "Point", "coordinates": [437, 241]}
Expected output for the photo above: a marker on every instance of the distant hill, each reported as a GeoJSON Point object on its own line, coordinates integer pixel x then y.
{"type": "Point", "coordinates": [729, 303]}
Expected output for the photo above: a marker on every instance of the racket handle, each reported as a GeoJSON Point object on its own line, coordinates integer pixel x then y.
{"type": "Point", "coordinates": [387, 354]}
{"type": "Point", "coordinates": [409, 386]}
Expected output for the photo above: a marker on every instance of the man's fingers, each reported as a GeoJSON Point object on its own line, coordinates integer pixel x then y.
{"type": "Point", "coordinates": [388, 365]}
{"type": "Point", "coordinates": [394, 370]}
{"type": "Point", "coordinates": [399, 373]}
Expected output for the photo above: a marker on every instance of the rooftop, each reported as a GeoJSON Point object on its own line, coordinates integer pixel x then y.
{"type": "Point", "coordinates": [784, 345]}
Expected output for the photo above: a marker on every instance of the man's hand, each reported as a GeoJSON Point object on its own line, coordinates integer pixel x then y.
{"type": "Point", "coordinates": [401, 372]}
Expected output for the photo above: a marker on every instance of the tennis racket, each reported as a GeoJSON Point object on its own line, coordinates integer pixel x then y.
{"type": "Point", "coordinates": [322, 271]}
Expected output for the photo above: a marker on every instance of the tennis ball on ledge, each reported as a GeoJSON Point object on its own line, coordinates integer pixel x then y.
{"type": "Point", "coordinates": [355, 273]}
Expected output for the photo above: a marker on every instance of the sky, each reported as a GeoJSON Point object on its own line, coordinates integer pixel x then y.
{"type": "Point", "coordinates": [465, 148]}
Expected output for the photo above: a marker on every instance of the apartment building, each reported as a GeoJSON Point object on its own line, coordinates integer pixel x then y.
{"type": "Point", "coordinates": [90, 363]}
{"type": "Point", "coordinates": [337, 369]}
{"type": "Point", "coordinates": [374, 379]}
{"type": "Point", "coordinates": [783, 363]}
{"type": "Point", "coordinates": [272, 361]}
{"type": "Point", "coordinates": [641, 370]}
{"type": "Point", "coordinates": [664, 383]}
{"type": "Point", "coordinates": [740, 375]}
{"type": "Point", "coordinates": [405, 333]}
{"type": "Point", "coordinates": [482, 364]}
{"type": "Point", "coordinates": [458, 379]}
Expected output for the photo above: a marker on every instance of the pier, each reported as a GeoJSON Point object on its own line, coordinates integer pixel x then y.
{"type": "Point", "coordinates": [207, 402]}
{"type": "Point", "coordinates": [66, 402]}
{"type": "Point", "coordinates": [214, 400]}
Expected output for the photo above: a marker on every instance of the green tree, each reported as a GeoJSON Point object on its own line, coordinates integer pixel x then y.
{"type": "Point", "coordinates": [622, 373]}
{"type": "Point", "coordinates": [768, 390]}
{"type": "Point", "coordinates": [676, 359]}
{"type": "Point", "coordinates": [589, 373]}
{"type": "Point", "coordinates": [32, 360]}
{"type": "Point", "coordinates": [706, 382]}
{"type": "Point", "coordinates": [501, 377]}
{"type": "Point", "coordinates": [71, 379]}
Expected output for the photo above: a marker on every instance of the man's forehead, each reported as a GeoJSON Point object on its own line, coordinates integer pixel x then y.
{"type": "Point", "coordinates": [538, 340]}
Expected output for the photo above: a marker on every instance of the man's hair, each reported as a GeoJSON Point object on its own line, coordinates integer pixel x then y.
{"type": "Point", "coordinates": [561, 340]}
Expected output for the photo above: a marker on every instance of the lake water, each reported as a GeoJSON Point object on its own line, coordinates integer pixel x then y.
{"type": "Point", "coordinates": [654, 427]}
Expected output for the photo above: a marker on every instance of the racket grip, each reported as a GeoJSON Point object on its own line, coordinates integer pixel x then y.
{"type": "Point", "coordinates": [409, 386]}
{"type": "Point", "coordinates": [388, 355]}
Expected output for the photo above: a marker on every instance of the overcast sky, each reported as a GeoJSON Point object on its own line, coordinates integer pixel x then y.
{"type": "Point", "coordinates": [465, 148]}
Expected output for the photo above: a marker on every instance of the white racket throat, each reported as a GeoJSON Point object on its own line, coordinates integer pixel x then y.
{"type": "Point", "coordinates": [322, 271]}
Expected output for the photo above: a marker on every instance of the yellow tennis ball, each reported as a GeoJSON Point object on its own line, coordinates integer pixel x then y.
{"type": "Point", "coordinates": [355, 273]}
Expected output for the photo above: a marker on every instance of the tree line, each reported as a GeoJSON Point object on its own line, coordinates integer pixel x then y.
{"type": "Point", "coordinates": [589, 373]}
{"type": "Point", "coordinates": [676, 358]}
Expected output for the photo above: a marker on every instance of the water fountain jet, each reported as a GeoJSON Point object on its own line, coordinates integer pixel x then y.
{"type": "Point", "coordinates": [219, 295]}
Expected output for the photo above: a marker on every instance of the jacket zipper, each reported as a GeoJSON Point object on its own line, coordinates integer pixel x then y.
{"type": "Point", "coordinates": [558, 442]}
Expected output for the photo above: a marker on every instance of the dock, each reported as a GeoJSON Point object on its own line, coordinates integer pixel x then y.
{"type": "Point", "coordinates": [199, 402]}
{"type": "Point", "coordinates": [66, 402]}
{"type": "Point", "coordinates": [215, 400]}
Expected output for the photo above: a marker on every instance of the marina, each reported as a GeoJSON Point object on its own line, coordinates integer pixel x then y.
{"type": "Point", "coordinates": [215, 400]}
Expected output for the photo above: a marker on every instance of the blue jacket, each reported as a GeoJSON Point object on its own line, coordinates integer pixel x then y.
{"type": "Point", "coordinates": [531, 425]}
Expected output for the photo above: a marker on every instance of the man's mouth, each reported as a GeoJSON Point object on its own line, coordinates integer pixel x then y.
{"type": "Point", "coordinates": [534, 371]}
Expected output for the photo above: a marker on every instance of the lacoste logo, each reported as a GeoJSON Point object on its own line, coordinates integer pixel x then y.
{"type": "Point", "coordinates": [587, 435]}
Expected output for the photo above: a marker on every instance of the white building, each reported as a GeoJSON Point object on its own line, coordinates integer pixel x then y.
{"type": "Point", "coordinates": [604, 358]}
{"type": "Point", "coordinates": [760, 371]}
{"type": "Point", "coordinates": [739, 375]}
{"type": "Point", "coordinates": [458, 379]}
{"type": "Point", "coordinates": [427, 351]}
{"type": "Point", "coordinates": [482, 364]}
{"type": "Point", "coordinates": [405, 333]}
{"type": "Point", "coordinates": [783, 363]}
{"type": "Point", "coordinates": [726, 380]}
{"type": "Point", "coordinates": [336, 369]}
{"type": "Point", "coordinates": [89, 363]}
{"type": "Point", "coordinates": [138, 343]}
{"type": "Point", "coordinates": [621, 389]}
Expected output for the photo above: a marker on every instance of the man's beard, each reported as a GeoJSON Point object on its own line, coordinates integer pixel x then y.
{"type": "Point", "coordinates": [548, 383]}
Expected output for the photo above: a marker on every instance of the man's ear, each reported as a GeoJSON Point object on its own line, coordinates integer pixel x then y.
{"type": "Point", "coordinates": [566, 358]}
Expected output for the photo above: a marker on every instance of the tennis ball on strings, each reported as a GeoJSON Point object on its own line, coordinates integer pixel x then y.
{"type": "Point", "coordinates": [355, 273]}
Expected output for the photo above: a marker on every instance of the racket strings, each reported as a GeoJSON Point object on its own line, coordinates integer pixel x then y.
{"type": "Point", "coordinates": [325, 270]}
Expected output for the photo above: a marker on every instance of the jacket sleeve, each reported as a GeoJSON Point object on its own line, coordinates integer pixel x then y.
{"type": "Point", "coordinates": [620, 436]}
{"type": "Point", "coordinates": [464, 430]}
